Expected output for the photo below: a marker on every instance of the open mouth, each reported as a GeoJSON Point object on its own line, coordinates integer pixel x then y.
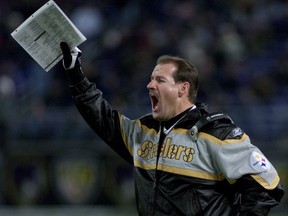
{"type": "Point", "coordinates": [154, 102]}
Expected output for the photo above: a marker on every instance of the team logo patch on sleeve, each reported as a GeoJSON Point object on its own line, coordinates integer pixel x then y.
{"type": "Point", "coordinates": [259, 162]}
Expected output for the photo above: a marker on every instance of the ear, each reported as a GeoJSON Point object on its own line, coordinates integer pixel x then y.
{"type": "Point", "coordinates": [183, 89]}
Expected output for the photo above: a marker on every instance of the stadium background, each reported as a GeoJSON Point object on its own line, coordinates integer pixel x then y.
{"type": "Point", "coordinates": [52, 163]}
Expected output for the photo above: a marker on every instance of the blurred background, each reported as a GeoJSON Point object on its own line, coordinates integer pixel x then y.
{"type": "Point", "coordinates": [52, 163]}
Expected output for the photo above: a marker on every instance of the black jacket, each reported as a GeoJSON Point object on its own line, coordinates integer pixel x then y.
{"type": "Point", "coordinates": [220, 173]}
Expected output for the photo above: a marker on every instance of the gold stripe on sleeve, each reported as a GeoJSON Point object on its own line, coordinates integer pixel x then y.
{"type": "Point", "coordinates": [215, 140]}
{"type": "Point", "coordinates": [265, 184]}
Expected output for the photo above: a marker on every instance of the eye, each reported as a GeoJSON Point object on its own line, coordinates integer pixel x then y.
{"type": "Point", "coordinates": [160, 80]}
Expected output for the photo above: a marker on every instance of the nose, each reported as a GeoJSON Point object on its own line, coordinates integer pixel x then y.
{"type": "Point", "coordinates": [151, 85]}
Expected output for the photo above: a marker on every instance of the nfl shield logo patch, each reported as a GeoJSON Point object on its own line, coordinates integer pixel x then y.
{"type": "Point", "coordinates": [259, 162]}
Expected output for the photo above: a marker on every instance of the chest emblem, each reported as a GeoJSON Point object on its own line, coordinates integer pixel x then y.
{"type": "Point", "coordinates": [168, 150]}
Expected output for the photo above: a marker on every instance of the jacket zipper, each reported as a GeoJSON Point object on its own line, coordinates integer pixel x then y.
{"type": "Point", "coordinates": [163, 134]}
{"type": "Point", "coordinates": [156, 180]}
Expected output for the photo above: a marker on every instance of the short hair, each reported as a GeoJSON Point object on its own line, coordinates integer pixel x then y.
{"type": "Point", "coordinates": [186, 72]}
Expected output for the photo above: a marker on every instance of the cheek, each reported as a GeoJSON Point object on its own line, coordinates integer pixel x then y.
{"type": "Point", "coordinates": [170, 96]}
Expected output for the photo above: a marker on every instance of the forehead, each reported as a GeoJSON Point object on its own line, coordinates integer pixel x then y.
{"type": "Point", "coordinates": [164, 70]}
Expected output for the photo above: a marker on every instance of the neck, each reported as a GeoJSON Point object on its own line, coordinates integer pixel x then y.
{"type": "Point", "coordinates": [184, 106]}
{"type": "Point", "coordinates": [172, 121]}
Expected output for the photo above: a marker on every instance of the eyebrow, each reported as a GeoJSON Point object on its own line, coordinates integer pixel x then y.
{"type": "Point", "coordinates": [157, 76]}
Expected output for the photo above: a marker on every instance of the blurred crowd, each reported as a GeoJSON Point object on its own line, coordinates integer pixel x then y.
{"type": "Point", "coordinates": [240, 49]}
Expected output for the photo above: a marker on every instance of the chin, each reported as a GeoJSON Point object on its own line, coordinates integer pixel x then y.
{"type": "Point", "coordinates": [158, 117]}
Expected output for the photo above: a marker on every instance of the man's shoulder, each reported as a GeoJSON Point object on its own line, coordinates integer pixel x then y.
{"type": "Point", "coordinates": [220, 125]}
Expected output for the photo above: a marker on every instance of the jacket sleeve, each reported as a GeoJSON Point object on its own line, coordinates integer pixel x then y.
{"type": "Point", "coordinates": [250, 198]}
{"type": "Point", "coordinates": [100, 116]}
{"type": "Point", "coordinates": [255, 181]}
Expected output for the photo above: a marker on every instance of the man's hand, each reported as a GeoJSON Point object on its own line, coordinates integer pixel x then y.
{"type": "Point", "coordinates": [71, 59]}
